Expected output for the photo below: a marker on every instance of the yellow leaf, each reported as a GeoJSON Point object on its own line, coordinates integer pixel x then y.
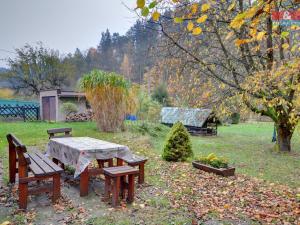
{"type": "Point", "coordinates": [155, 16]}
{"type": "Point", "coordinates": [140, 3]}
{"type": "Point", "coordinates": [267, 8]}
{"type": "Point", "coordinates": [197, 31]}
{"type": "Point", "coordinates": [250, 13]}
{"type": "Point", "coordinates": [285, 46]}
{"type": "Point", "coordinates": [194, 8]}
{"type": "Point", "coordinates": [239, 42]}
{"type": "Point", "coordinates": [260, 35]}
{"type": "Point", "coordinates": [237, 22]}
{"type": "Point", "coordinates": [229, 35]}
{"type": "Point", "coordinates": [178, 20]}
{"type": "Point", "coordinates": [231, 7]}
{"type": "Point", "coordinates": [253, 32]}
{"type": "Point", "coordinates": [205, 7]}
{"type": "Point", "coordinates": [202, 19]}
{"type": "Point", "coordinates": [190, 26]}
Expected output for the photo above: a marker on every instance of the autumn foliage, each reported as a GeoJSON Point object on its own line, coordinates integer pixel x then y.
{"type": "Point", "coordinates": [237, 53]}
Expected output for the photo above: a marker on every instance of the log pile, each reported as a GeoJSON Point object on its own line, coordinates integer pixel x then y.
{"type": "Point", "coordinates": [80, 117]}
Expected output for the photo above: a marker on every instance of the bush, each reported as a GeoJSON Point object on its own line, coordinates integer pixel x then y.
{"type": "Point", "coordinates": [214, 161]}
{"type": "Point", "coordinates": [161, 95]}
{"type": "Point", "coordinates": [144, 127]}
{"type": "Point", "coordinates": [68, 108]}
{"type": "Point", "coordinates": [147, 108]}
{"type": "Point", "coordinates": [178, 145]}
{"type": "Point", "coordinates": [235, 118]}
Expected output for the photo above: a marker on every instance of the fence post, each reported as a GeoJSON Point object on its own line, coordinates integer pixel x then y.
{"type": "Point", "coordinates": [37, 113]}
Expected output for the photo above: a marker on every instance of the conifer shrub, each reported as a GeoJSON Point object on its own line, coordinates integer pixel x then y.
{"type": "Point", "coordinates": [178, 145]}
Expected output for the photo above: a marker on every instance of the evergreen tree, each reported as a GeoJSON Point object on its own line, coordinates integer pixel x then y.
{"type": "Point", "coordinates": [178, 145]}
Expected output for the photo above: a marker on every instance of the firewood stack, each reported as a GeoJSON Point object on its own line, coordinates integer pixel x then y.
{"type": "Point", "coordinates": [80, 117]}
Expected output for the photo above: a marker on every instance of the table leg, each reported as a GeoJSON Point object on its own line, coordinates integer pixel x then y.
{"type": "Point", "coordinates": [119, 162]}
{"type": "Point", "coordinates": [100, 163]}
{"type": "Point", "coordinates": [141, 173]}
{"type": "Point", "coordinates": [84, 182]}
{"type": "Point", "coordinates": [110, 163]}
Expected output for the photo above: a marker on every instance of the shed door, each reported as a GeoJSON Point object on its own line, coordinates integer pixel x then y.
{"type": "Point", "coordinates": [49, 108]}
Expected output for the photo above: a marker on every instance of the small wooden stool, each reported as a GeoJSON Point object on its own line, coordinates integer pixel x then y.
{"type": "Point", "coordinates": [134, 161]}
{"type": "Point", "coordinates": [118, 174]}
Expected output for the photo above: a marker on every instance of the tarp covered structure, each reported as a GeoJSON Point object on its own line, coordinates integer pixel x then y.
{"type": "Point", "coordinates": [189, 117]}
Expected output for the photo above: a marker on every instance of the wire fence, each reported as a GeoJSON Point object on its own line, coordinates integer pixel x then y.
{"type": "Point", "coordinates": [24, 112]}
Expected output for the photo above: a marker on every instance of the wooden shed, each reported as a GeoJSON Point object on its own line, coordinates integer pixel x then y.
{"type": "Point", "coordinates": [51, 102]}
{"type": "Point", "coordinates": [198, 121]}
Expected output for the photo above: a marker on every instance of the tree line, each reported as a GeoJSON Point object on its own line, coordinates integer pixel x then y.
{"type": "Point", "coordinates": [37, 68]}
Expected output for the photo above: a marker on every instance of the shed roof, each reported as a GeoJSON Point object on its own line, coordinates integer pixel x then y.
{"type": "Point", "coordinates": [188, 116]}
{"type": "Point", "coordinates": [63, 93]}
{"type": "Point", "coordinates": [71, 94]}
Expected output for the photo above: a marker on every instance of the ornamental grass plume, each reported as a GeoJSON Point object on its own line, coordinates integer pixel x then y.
{"type": "Point", "coordinates": [109, 96]}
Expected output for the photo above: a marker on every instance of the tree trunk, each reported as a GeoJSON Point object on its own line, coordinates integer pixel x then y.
{"type": "Point", "coordinates": [284, 136]}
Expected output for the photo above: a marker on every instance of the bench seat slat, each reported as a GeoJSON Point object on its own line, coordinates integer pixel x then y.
{"type": "Point", "coordinates": [41, 168]}
{"type": "Point", "coordinates": [44, 166]}
{"type": "Point", "coordinates": [55, 167]}
{"type": "Point", "coordinates": [35, 168]}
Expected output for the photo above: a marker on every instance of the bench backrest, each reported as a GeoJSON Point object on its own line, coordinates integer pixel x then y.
{"type": "Point", "coordinates": [17, 149]}
{"type": "Point", "coordinates": [59, 132]}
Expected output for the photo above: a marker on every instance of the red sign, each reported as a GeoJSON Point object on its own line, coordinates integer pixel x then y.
{"type": "Point", "coordinates": [286, 15]}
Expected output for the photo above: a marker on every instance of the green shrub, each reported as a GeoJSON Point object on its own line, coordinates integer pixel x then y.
{"type": "Point", "coordinates": [214, 161]}
{"type": "Point", "coordinates": [178, 145]}
{"type": "Point", "coordinates": [147, 108]}
{"type": "Point", "coordinates": [161, 95]}
{"type": "Point", "coordinates": [235, 118]}
{"type": "Point", "coordinates": [68, 108]}
{"type": "Point", "coordinates": [144, 127]}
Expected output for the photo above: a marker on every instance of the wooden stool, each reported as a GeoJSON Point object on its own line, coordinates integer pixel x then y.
{"type": "Point", "coordinates": [118, 176]}
{"type": "Point", "coordinates": [133, 161]}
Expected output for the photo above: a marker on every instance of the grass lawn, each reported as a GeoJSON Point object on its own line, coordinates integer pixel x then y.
{"type": "Point", "coordinates": [171, 188]}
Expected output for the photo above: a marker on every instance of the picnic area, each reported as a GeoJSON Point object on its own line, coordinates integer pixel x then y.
{"type": "Point", "coordinates": [172, 192]}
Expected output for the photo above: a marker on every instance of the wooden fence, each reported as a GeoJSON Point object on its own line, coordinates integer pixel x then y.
{"type": "Point", "coordinates": [24, 112]}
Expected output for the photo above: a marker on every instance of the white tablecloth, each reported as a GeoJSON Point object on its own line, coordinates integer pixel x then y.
{"type": "Point", "coordinates": [80, 151]}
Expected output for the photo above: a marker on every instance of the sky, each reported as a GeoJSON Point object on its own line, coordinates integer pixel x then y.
{"type": "Point", "coordinates": [60, 24]}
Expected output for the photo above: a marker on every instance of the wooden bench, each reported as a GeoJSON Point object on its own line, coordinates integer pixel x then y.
{"type": "Point", "coordinates": [133, 161]}
{"type": "Point", "coordinates": [59, 132]}
{"type": "Point", "coordinates": [119, 176]}
{"type": "Point", "coordinates": [39, 165]}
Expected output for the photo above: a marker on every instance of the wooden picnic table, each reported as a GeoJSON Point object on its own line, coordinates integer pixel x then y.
{"type": "Point", "coordinates": [79, 152]}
